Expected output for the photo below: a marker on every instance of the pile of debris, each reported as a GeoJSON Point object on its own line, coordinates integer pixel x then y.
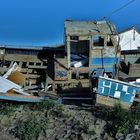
{"type": "Point", "coordinates": [12, 86]}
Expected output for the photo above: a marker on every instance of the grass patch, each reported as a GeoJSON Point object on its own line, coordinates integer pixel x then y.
{"type": "Point", "coordinates": [7, 108]}
{"type": "Point", "coordinates": [44, 105]}
{"type": "Point", "coordinates": [30, 129]}
{"type": "Point", "coordinates": [122, 120]}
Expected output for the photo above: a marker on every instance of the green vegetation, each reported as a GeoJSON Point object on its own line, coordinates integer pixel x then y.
{"type": "Point", "coordinates": [59, 110]}
{"type": "Point", "coordinates": [85, 126]}
{"type": "Point", "coordinates": [51, 108]}
{"type": "Point", "coordinates": [37, 120]}
{"type": "Point", "coordinates": [7, 108]}
{"type": "Point", "coordinates": [30, 129]}
{"type": "Point", "coordinates": [41, 106]}
{"type": "Point", "coordinates": [122, 120]}
{"type": "Point", "coordinates": [46, 104]}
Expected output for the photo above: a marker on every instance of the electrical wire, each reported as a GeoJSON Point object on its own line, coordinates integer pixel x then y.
{"type": "Point", "coordinates": [122, 7]}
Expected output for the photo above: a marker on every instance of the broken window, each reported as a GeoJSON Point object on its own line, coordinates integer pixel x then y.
{"type": "Point", "coordinates": [79, 53]}
{"type": "Point", "coordinates": [109, 42]}
{"type": "Point", "coordinates": [98, 40]}
{"type": "Point", "coordinates": [31, 63]}
{"type": "Point", "coordinates": [7, 63]}
{"type": "Point", "coordinates": [74, 76]}
{"type": "Point", "coordinates": [83, 75]}
{"type": "Point", "coordinates": [74, 38]}
{"type": "Point", "coordinates": [38, 64]}
{"type": "Point", "coordinates": [82, 46]}
{"type": "Point", "coordinates": [44, 64]}
{"type": "Point", "coordinates": [24, 65]}
{"type": "Point", "coordinates": [17, 62]}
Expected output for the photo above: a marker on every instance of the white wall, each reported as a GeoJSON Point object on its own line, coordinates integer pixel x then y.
{"type": "Point", "coordinates": [129, 40]}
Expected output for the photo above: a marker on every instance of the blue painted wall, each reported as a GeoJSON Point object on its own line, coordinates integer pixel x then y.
{"type": "Point", "coordinates": [106, 63]}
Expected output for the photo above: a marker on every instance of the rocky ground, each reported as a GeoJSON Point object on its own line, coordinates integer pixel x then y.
{"type": "Point", "coordinates": [50, 121]}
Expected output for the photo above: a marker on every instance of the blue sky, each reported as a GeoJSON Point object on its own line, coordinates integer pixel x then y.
{"type": "Point", "coordinates": [41, 22]}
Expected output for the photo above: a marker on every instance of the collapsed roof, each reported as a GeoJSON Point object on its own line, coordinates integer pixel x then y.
{"type": "Point", "coordinates": [88, 27]}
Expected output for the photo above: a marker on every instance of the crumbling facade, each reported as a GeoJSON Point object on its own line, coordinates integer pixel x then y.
{"type": "Point", "coordinates": [89, 46]}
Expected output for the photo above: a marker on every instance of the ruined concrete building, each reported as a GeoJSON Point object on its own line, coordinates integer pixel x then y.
{"type": "Point", "coordinates": [89, 46]}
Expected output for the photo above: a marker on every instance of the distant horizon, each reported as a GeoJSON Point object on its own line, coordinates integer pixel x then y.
{"type": "Point", "coordinates": [41, 22]}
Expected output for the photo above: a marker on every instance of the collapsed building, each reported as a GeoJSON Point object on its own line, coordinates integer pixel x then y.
{"type": "Point", "coordinates": [89, 46]}
{"type": "Point", "coordinates": [87, 63]}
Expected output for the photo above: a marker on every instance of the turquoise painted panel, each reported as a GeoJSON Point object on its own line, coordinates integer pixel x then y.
{"type": "Point", "coordinates": [120, 91]}
{"type": "Point", "coordinates": [112, 89]}
{"type": "Point", "coordinates": [103, 87]}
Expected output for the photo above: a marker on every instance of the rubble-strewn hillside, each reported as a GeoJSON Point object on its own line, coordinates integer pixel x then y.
{"type": "Point", "coordinates": [50, 121]}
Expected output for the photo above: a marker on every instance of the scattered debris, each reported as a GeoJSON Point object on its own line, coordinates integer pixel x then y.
{"type": "Point", "coordinates": [12, 69]}
{"type": "Point", "coordinates": [11, 89]}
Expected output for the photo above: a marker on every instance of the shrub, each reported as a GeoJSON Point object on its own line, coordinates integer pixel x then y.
{"type": "Point", "coordinates": [6, 108]}
{"type": "Point", "coordinates": [44, 105]}
{"type": "Point", "coordinates": [85, 126]}
{"type": "Point", "coordinates": [30, 129]}
{"type": "Point", "coordinates": [122, 120]}
{"type": "Point", "coordinates": [59, 110]}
